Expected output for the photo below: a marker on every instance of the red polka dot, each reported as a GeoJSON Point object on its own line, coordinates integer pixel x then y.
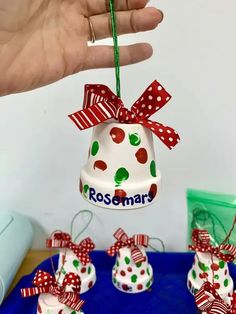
{"type": "Point", "coordinates": [142, 272]}
{"type": "Point", "coordinates": [189, 284]}
{"type": "Point", "coordinates": [83, 270]}
{"type": "Point", "coordinates": [100, 164]}
{"type": "Point", "coordinates": [215, 267]}
{"type": "Point", "coordinates": [125, 287]}
{"type": "Point", "coordinates": [226, 272]}
{"type": "Point", "coordinates": [118, 253]}
{"type": "Point", "coordinates": [117, 135]}
{"type": "Point", "coordinates": [153, 190]}
{"type": "Point", "coordinates": [130, 269]}
{"type": "Point", "coordinates": [140, 287]}
{"type": "Point", "coordinates": [90, 284]}
{"type": "Point", "coordinates": [80, 186]}
{"type": "Point", "coordinates": [122, 272]}
{"type": "Point", "coordinates": [39, 308]}
{"type": "Point", "coordinates": [142, 156]}
{"type": "Point", "coordinates": [217, 285]}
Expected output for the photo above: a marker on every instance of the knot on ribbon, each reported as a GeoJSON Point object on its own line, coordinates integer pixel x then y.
{"type": "Point", "coordinates": [201, 243]}
{"type": "Point", "coordinates": [124, 241]}
{"type": "Point", "coordinates": [101, 104]}
{"type": "Point", "coordinates": [63, 240]}
{"type": "Point", "coordinates": [46, 283]}
{"type": "Point", "coordinates": [208, 300]}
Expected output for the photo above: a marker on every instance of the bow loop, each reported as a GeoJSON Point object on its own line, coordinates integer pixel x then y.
{"type": "Point", "coordinates": [46, 283]}
{"type": "Point", "coordinates": [101, 104]}
{"type": "Point", "coordinates": [201, 243]}
{"type": "Point", "coordinates": [63, 240]}
{"type": "Point", "coordinates": [133, 243]}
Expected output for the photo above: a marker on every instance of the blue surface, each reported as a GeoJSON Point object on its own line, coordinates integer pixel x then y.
{"type": "Point", "coordinates": [169, 294]}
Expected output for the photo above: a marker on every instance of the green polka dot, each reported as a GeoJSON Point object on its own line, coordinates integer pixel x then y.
{"type": "Point", "coordinates": [134, 139]}
{"type": "Point", "coordinates": [121, 175]}
{"type": "Point", "coordinates": [86, 187]}
{"type": "Point", "coordinates": [63, 271]}
{"type": "Point", "coordinates": [95, 148]}
{"type": "Point", "coordinates": [194, 275]}
{"type": "Point", "coordinates": [222, 264]}
{"type": "Point", "coordinates": [127, 260]}
{"type": "Point", "coordinates": [74, 312]}
{"type": "Point", "coordinates": [76, 263]}
{"type": "Point", "coordinates": [117, 263]}
{"type": "Point", "coordinates": [153, 168]}
{"type": "Point", "coordinates": [114, 280]}
{"type": "Point", "coordinates": [216, 277]}
{"type": "Point", "coordinates": [226, 282]}
{"type": "Point", "coordinates": [203, 267]}
{"type": "Point", "coordinates": [89, 270]}
{"type": "Point", "coordinates": [139, 264]}
{"type": "Point", "coordinates": [149, 284]}
{"type": "Point", "coordinates": [134, 278]}
{"type": "Point", "coordinates": [148, 272]}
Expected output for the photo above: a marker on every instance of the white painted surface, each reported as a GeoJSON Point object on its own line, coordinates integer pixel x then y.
{"type": "Point", "coordinates": [41, 151]}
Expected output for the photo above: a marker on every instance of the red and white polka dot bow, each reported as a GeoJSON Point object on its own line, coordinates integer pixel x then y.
{"type": "Point", "coordinates": [124, 241]}
{"type": "Point", "coordinates": [201, 240]}
{"type": "Point", "coordinates": [63, 240]}
{"type": "Point", "coordinates": [209, 301]}
{"type": "Point", "coordinates": [46, 283]}
{"type": "Point", "coordinates": [101, 104]}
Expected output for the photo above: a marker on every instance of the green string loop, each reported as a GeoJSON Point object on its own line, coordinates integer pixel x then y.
{"type": "Point", "coordinates": [116, 47]}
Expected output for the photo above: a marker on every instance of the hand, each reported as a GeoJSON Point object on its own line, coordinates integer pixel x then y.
{"type": "Point", "coordinates": [42, 41]}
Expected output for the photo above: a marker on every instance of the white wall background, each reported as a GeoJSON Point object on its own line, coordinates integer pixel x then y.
{"type": "Point", "coordinates": [41, 151]}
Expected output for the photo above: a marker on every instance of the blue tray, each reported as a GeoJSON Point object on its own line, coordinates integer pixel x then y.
{"type": "Point", "coordinates": [168, 295]}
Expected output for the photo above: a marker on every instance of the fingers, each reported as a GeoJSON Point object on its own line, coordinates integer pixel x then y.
{"type": "Point", "coordinates": [102, 6]}
{"type": "Point", "coordinates": [127, 22]}
{"type": "Point", "coordinates": [103, 56]}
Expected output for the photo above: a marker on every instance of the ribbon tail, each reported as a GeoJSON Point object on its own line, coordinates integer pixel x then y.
{"type": "Point", "coordinates": [30, 292]}
{"type": "Point", "coordinates": [137, 255]}
{"type": "Point", "coordinates": [141, 239]}
{"type": "Point", "coordinates": [71, 300]}
{"type": "Point", "coordinates": [115, 248]}
{"type": "Point", "coordinates": [165, 133]}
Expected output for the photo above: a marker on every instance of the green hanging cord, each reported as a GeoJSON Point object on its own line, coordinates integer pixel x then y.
{"type": "Point", "coordinates": [116, 47]}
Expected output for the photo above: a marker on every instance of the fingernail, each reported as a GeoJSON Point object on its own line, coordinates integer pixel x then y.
{"type": "Point", "coordinates": [162, 15]}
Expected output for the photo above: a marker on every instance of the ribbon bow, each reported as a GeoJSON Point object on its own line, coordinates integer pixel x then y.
{"type": "Point", "coordinates": [201, 240]}
{"type": "Point", "coordinates": [46, 283]}
{"type": "Point", "coordinates": [101, 104]}
{"type": "Point", "coordinates": [124, 241]}
{"type": "Point", "coordinates": [63, 240]}
{"type": "Point", "coordinates": [209, 301]}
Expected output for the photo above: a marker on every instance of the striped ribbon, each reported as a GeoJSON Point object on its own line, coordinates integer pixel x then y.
{"type": "Point", "coordinates": [209, 301]}
{"type": "Point", "coordinates": [101, 104]}
{"type": "Point", "coordinates": [201, 240]}
{"type": "Point", "coordinates": [46, 283]}
{"type": "Point", "coordinates": [124, 241]}
{"type": "Point", "coordinates": [63, 240]}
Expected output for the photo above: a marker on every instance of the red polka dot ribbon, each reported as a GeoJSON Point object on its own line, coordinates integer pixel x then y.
{"type": "Point", "coordinates": [124, 241]}
{"type": "Point", "coordinates": [101, 104]}
{"type": "Point", "coordinates": [201, 240]}
{"type": "Point", "coordinates": [63, 240]}
{"type": "Point", "coordinates": [46, 283]}
{"type": "Point", "coordinates": [209, 301]}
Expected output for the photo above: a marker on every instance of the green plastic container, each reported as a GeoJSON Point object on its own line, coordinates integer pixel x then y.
{"type": "Point", "coordinates": [214, 212]}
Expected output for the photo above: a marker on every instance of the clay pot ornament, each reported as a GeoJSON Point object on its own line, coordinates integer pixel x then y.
{"type": "Point", "coordinates": [74, 257]}
{"type": "Point", "coordinates": [121, 171]}
{"type": "Point", "coordinates": [211, 265]}
{"type": "Point", "coordinates": [53, 297]}
{"type": "Point", "coordinates": [131, 273]}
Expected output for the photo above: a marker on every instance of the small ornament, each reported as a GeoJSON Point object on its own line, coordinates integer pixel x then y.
{"type": "Point", "coordinates": [55, 298]}
{"type": "Point", "coordinates": [131, 273]}
{"type": "Point", "coordinates": [74, 258]}
{"type": "Point", "coordinates": [122, 153]}
{"type": "Point", "coordinates": [210, 264]}
{"type": "Point", "coordinates": [208, 301]}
